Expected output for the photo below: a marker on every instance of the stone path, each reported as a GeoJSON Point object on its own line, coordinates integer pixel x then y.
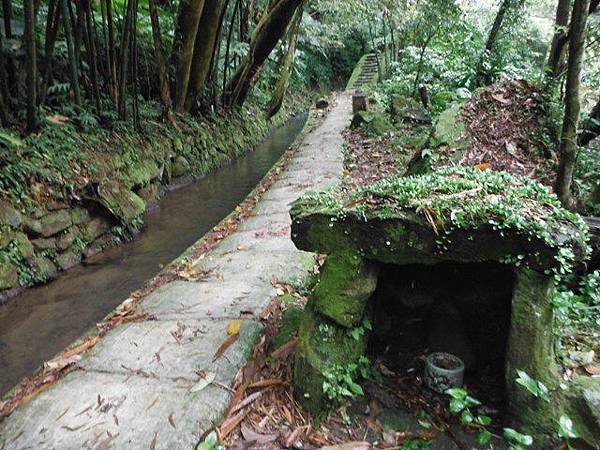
{"type": "Point", "coordinates": [135, 389]}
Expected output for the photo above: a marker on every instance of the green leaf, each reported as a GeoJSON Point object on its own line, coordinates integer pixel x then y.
{"type": "Point", "coordinates": [466, 417]}
{"type": "Point", "coordinates": [484, 420]}
{"type": "Point", "coordinates": [356, 389]}
{"type": "Point", "coordinates": [10, 140]}
{"type": "Point", "coordinates": [210, 442]}
{"type": "Point", "coordinates": [565, 428]}
{"type": "Point", "coordinates": [457, 405]}
{"type": "Point", "coordinates": [527, 382]}
{"type": "Point", "coordinates": [484, 437]}
{"type": "Point", "coordinates": [457, 393]}
{"type": "Point", "coordinates": [515, 436]}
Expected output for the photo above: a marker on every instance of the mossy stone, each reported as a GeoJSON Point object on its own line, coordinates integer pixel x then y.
{"type": "Point", "coordinates": [45, 268]}
{"type": "Point", "coordinates": [531, 348]}
{"type": "Point", "coordinates": [79, 215]}
{"type": "Point", "coordinates": [143, 172]}
{"type": "Point", "coordinates": [44, 243]}
{"type": "Point", "coordinates": [321, 345]}
{"type": "Point", "coordinates": [9, 215]}
{"type": "Point", "coordinates": [449, 130]}
{"type": "Point", "coordinates": [94, 228]}
{"type": "Point", "coordinates": [24, 246]}
{"type": "Point", "coordinates": [181, 167]}
{"type": "Point", "coordinates": [123, 203]}
{"type": "Point", "coordinates": [347, 282]}
{"type": "Point", "coordinates": [55, 222]}
{"type": "Point", "coordinates": [9, 278]}
{"type": "Point", "coordinates": [67, 238]}
{"type": "Point", "coordinates": [68, 259]}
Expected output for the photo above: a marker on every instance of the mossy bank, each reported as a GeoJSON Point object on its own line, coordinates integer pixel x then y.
{"type": "Point", "coordinates": [70, 191]}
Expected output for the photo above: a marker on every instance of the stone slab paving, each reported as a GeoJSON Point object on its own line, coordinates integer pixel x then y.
{"type": "Point", "coordinates": [137, 388]}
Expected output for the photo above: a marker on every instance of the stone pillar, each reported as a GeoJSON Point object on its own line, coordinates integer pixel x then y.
{"type": "Point", "coordinates": [360, 102]}
{"type": "Point", "coordinates": [324, 343]}
{"type": "Point", "coordinates": [531, 349]}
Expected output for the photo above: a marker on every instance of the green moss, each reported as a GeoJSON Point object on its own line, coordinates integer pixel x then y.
{"type": "Point", "coordinates": [322, 346]}
{"type": "Point", "coordinates": [290, 324]}
{"type": "Point", "coordinates": [449, 130]}
{"type": "Point", "coordinates": [347, 282]}
{"type": "Point", "coordinates": [356, 72]}
{"type": "Point", "coordinates": [455, 198]}
{"type": "Point", "coordinates": [374, 123]}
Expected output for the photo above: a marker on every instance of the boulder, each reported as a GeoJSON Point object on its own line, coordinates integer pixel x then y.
{"type": "Point", "coordinates": [24, 246]}
{"type": "Point", "coordinates": [9, 215]}
{"type": "Point", "coordinates": [9, 278]}
{"type": "Point", "coordinates": [45, 268]}
{"type": "Point", "coordinates": [68, 259]}
{"type": "Point", "coordinates": [55, 222]}
{"type": "Point", "coordinates": [94, 228]}
{"type": "Point", "coordinates": [143, 172]}
{"type": "Point", "coordinates": [124, 204]}
{"type": "Point", "coordinates": [44, 243]}
{"type": "Point", "coordinates": [67, 238]}
{"type": "Point", "coordinates": [79, 215]}
{"type": "Point", "coordinates": [181, 167]}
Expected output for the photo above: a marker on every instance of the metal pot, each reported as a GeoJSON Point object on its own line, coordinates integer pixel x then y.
{"type": "Point", "coordinates": [443, 371]}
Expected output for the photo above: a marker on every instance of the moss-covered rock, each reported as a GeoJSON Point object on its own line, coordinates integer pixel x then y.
{"type": "Point", "coordinates": [95, 228]}
{"type": "Point", "coordinates": [455, 214]}
{"type": "Point", "coordinates": [55, 222]}
{"type": "Point", "coordinates": [9, 277]}
{"type": "Point", "coordinates": [24, 246]}
{"type": "Point", "coordinates": [68, 259]}
{"type": "Point", "coordinates": [9, 215]}
{"type": "Point", "coordinates": [449, 129]}
{"type": "Point", "coordinates": [373, 122]}
{"type": "Point", "coordinates": [124, 204]}
{"type": "Point", "coordinates": [143, 172]}
{"type": "Point", "coordinates": [322, 346]}
{"type": "Point", "coordinates": [181, 167]}
{"type": "Point", "coordinates": [347, 282]}
{"type": "Point", "coordinates": [45, 268]}
{"type": "Point", "coordinates": [79, 215]}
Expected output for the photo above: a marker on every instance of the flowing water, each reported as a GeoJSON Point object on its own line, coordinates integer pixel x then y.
{"type": "Point", "coordinates": [44, 320]}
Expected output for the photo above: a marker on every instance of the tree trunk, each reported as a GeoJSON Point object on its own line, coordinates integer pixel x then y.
{"type": "Point", "coordinates": [288, 65]}
{"type": "Point", "coordinates": [7, 15]}
{"type": "Point", "coordinates": [210, 24]}
{"type": "Point", "coordinates": [484, 77]}
{"type": "Point", "coordinates": [558, 48]}
{"type": "Point", "coordinates": [165, 92]}
{"type": "Point", "coordinates": [90, 43]}
{"type": "Point", "coordinates": [228, 47]}
{"type": "Point", "coordinates": [568, 140]}
{"type": "Point", "coordinates": [73, 64]}
{"type": "Point", "coordinates": [183, 47]}
{"type": "Point", "coordinates": [270, 29]}
{"type": "Point", "coordinates": [124, 60]}
{"type": "Point", "coordinates": [31, 64]}
{"type": "Point", "coordinates": [112, 54]}
{"type": "Point", "coordinates": [591, 126]}
{"type": "Point", "coordinates": [52, 26]}
{"type": "Point", "coordinates": [4, 116]}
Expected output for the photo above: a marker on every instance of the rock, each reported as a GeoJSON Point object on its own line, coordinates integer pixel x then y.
{"type": "Point", "coordinates": [9, 215]}
{"type": "Point", "coordinates": [449, 129]}
{"type": "Point", "coordinates": [9, 278]}
{"type": "Point", "coordinates": [347, 282]}
{"type": "Point", "coordinates": [55, 222]}
{"type": "Point", "coordinates": [406, 108]}
{"type": "Point", "coordinates": [94, 228]}
{"type": "Point", "coordinates": [181, 167]}
{"type": "Point", "coordinates": [79, 215]}
{"type": "Point", "coordinates": [68, 259]}
{"type": "Point", "coordinates": [150, 194]}
{"type": "Point", "coordinates": [24, 246]}
{"type": "Point", "coordinates": [67, 238]}
{"type": "Point", "coordinates": [32, 226]}
{"type": "Point", "coordinates": [45, 268]}
{"type": "Point", "coordinates": [582, 358]}
{"type": "Point", "coordinates": [372, 122]}
{"type": "Point", "coordinates": [447, 333]}
{"type": "Point", "coordinates": [5, 239]}
{"type": "Point", "coordinates": [143, 172]}
{"type": "Point", "coordinates": [44, 243]}
{"type": "Point", "coordinates": [123, 203]}
{"type": "Point", "coordinates": [322, 103]}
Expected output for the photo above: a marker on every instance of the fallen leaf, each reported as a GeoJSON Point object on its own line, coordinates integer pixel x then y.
{"type": "Point", "coordinates": [171, 421]}
{"type": "Point", "coordinates": [593, 369]}
{"type": "Point", "coordinates": [250, 435]}
{"type": "Point", "coordinates": [234, 327]}
{"type": "Point", "coordinates": [208, 378]}
{"type": "Point", "coordinates": [355, 445]}
{"type": "Point", "coordinates": [57, 119]}
{"type": "Point", "coordinates": [501, 99]}
{"type": "Point", "coordinates": [293, 437]}
{"type": "Point", "coordinates": [223, 348]}
{"type": "Point", "coordinates": [483, 166]}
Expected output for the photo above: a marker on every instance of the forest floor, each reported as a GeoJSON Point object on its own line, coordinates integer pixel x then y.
{"type": "Point", "coordinates": [160, 378]}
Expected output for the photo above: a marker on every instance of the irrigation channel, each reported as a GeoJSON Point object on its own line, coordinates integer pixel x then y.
{"type": "Point", "coordinates": [44, 320]}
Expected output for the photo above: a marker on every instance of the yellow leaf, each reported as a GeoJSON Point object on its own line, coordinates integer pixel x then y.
{"type": "Point", "coordinates": [234, 327]}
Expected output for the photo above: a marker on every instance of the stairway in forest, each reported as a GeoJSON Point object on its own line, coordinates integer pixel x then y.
{"type": "Point", "coordinates": [367, 72]}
